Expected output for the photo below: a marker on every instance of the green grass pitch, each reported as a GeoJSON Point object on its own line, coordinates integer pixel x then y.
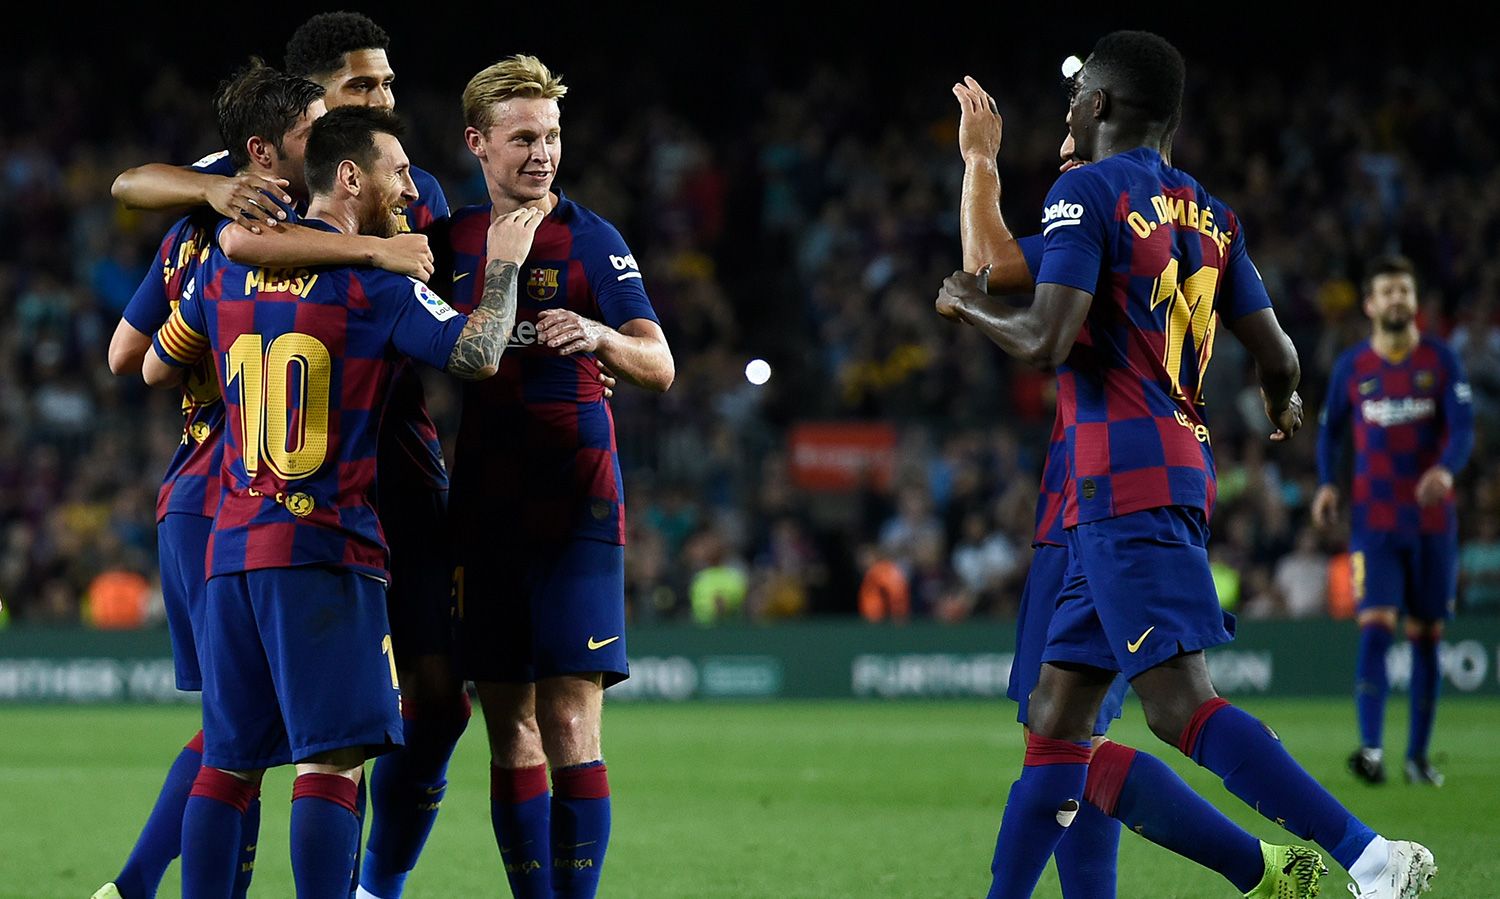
{"type": "Point", "coordinates": [815, 799]}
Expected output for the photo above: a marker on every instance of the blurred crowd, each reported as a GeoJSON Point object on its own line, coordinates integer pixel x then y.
{"type": "Point", "coordinates": [812, 230]}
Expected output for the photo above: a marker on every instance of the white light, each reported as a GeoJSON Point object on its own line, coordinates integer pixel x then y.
{"type": "Point", "coordinates": [758, 372]}
{"type": "Point", "coordinates": [1070, 66]}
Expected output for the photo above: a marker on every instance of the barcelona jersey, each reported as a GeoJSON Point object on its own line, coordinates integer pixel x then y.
{"type": "Point", "coordinates": [1162, 260]}
{"type": "Point", "coordinates": [191, 484]}
{"type": "Point", "coordinates": [409, 446]}
{"type": "Point", "coordinates": [1049, 504]}
{"type": "Point", "coordinates": [537, 441]}
{"type": "Point", "coordinates": [304, 359]}
{"type": "Point", "coordinates": [1408, 414]}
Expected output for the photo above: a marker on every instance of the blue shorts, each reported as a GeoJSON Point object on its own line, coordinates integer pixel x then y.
{"type": "Point", "coordinates": [1044, 582]}
{"type": "Point", "coordinates": [420, 599]}
{"type": "Point", "coordinates": [1138, 592]}
{"type": "Point", "coordinates": [181, 545]}
{"type": "Point", "coordinates": [528, 611]}
{"type": "Point", "coordinates": [1416, 574]}
{"type": "Point", "coordinates": [296, 661]}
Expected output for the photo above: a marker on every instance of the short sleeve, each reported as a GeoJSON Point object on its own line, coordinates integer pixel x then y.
{"type": "Point", "coordinates": [149, 306]}
{"type": "Point", "coordinates": [615, 277]}
{"type": "Point", "coordinates": [1243, 292]}
{"type": "Point", "coordinates": [214, 164]}
{"type": "Point", "coordinates": [1031, 250]}
{"type": "Point", "coordinates": [423, 325]}
{"type": "Point", "coordinates": [1075, 229]}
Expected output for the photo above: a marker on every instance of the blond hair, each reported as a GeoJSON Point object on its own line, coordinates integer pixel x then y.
{"type": "Point", "coordinates": [513, 76]}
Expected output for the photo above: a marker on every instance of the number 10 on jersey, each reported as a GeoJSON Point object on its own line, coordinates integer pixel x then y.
{"type": "Point", "coordinates": [283, 402]}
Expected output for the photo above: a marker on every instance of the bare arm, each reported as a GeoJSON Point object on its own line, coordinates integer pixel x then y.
{"type": "Point", "coordinates": [244, 199]}
{"type": "Point", "coordinates": [476, 356]}
{"type": "Point", "coordinates": [637, 352]}
{"type": "Point", "coordinates": [293, 245]}
{"type": "Point", "coordinates": [1276, 361]}
{"type": "Point", "coordinates": [159, 374]}
{"type": "Point", "coordinates": [986, 238]}
{"type": "Point", "coordinates": [127, 348]}
{"type": "Point", "coordinates": [1041, 335]}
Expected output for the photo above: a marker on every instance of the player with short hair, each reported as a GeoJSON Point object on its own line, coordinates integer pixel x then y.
{"type": "Point", "coordinates": [297, 657]}
{"type": "Point", "coordinates": [346, 53]}
{"type": "Point", "coordinates": [1124, 785]}
{"type": "Point", "coordinates": [1413, 420]}
{"type": "Point", "coordinates": [264, 117]}
{"type": "Point", "coordinates": [1136, 258]}
{"type": "Point", "coordinates": [542, 620]}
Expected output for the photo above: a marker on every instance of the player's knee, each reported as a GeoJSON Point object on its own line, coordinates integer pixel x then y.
{"type": "Point", "coordinates": [570, 733]}
{"type": "Point", "coordinates": [1167, 719]}
{"type": "Point", "coordinates": [252, 778]}
{"type": "Point", "coordinates": [348, 761]}
{"type": "Point", "coordinates": [1385, 618]}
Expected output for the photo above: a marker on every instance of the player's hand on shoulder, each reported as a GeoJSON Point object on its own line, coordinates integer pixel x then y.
{"type": "Point", "coordinates": [249, 200]}
{"type": "Point", "coordinates": [510, 235]}
{"type": "Point", "coordinates": [979, 122]}
{"type": "Point", "coordinates": [1325, 506]}
{"type": "Point", "coordinates": [959, 288]}
{"type": "Point", "coordinates": [1434, 485]}
{"type": "Point", "coordinates": [568, 332]}
{"type": "Point", "coordinates": [1287, 420]}
{"type": "Point", "coordinates": [405, 254]}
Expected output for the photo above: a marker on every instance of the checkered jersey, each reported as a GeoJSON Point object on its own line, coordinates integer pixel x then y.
{"type": "Point", "coordinates": [538, 439]}
{"type": "Point", "coordinates": [1049, 504]}
{"type": "Point", "coordinates": [1163, 260]}
{"type": "Point", "coordinates": [191, 483]}
{"type": "Point", "coordinates": [304, 359]}
{"type": "Point", "coordinates": [1408, 415]}
{"type": "Point", "coordinates": [410, 452]}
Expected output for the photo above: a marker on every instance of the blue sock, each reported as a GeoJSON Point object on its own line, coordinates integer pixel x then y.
{"type": "Point", "coordinates": [1371, 684]}
{"type": "Point", "coordinates": [361, 801]}
{"type": "Point", "coordinates": [249, 836]}
{"type": "Point", "coordinates": [1257, 768]}
{"type": "Point", "coordinates": [1042, 803]}
{"type": "Point", "coordinates": [211, 828]}
{"type": "Point", "coordinates": [161, 837]}
{"type": "Point", "coordinates": [580, 829]}
{"type": "Point", "coordinates": [325, 835]}
{"type": "Point", "coordinates": [1425, 680]}
{"type": "Point", "coordinates": [406, 788]}
{"type": "Point", "coordinates": [521, 813]}
{"type": "Point", "coordinates": [1088, 855]}
{"type": "Point", "coordinates": [1141, 791]}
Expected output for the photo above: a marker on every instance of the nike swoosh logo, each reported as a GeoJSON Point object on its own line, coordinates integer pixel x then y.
{"type": "Point", "coordinates": [459, 276]}
{"type": "Point", "coordinates": [577, 845]}
{"type": "Point", "coordinates": [505, 850]}
{"type": "Point", "coordinates": [600, 644]}
{"type": "Point", "coordinates": [433, 791]}
{"type": "Point", "coordinates": [1136, 644]}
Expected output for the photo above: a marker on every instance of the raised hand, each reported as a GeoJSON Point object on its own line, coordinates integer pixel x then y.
{"type": "Point", "coordinates": [510, 235]}
{"type": "Point", "coordinates": [979, 122]}
{"type": "Point", "coordinates": [406, 254]}
{"type": "Point", "coordinates": [249, 200]}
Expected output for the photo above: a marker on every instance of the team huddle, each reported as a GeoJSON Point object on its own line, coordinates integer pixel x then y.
{"type": "Point", "coordinates": [320, 594]}
{"type": "Point", "coordinates": [331, 601]}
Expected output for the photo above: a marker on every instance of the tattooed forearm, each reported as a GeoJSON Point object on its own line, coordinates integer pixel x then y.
{"type": "Point", "coordinates": [477, 354]}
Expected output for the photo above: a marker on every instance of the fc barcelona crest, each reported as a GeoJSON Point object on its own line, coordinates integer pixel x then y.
{"type": "Point", "coordinates": [542, 283]}
{"type": "Point", "coordinates": [1425, 380]}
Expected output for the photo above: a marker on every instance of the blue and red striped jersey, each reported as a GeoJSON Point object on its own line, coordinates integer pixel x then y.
{"type": "Point", "coordinates": [304, 359]}
{"type": "Point", "coordinates": [410, 451]}
{"type": "Point", "coordinates": [538, 439]}
{"type": "Point", "coordinates": [191, 484]}
{"type": "Point", "coordinates": [1162, 260]}
{"type": "Point", "coordinates": [1409, 414]}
